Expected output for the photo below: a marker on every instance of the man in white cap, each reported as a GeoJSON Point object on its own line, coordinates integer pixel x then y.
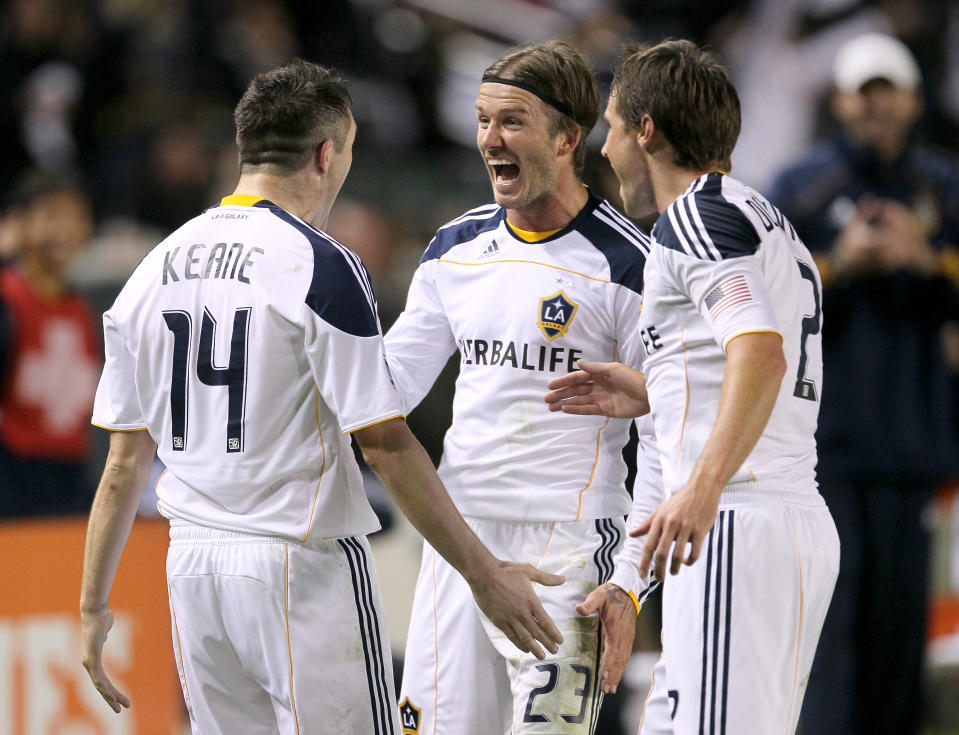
{"type": "Point", "coordinates": [880, 212]}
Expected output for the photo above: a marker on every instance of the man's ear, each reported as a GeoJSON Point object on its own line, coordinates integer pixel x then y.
{"type": "Point", "coordinates": [646, 133]}
{"type": "Point", "coordinates": [650, 138]}
{"type": "Point", "coordinates": [324, 156]}
{"type": "Point", "coordinates": [570, 139]}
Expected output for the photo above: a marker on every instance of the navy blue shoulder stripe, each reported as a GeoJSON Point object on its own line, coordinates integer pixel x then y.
{"type": "Point", "coordinates": [340, 291]}
{"type": "Point", "coordinates": [463, 229]}
{"type": "Point", "coordinates": [622, 243]}
{"type": "Point", "coordinates": [703, 224]}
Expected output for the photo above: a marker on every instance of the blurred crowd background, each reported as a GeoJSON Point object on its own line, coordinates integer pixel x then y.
{"type": "Point", "coordinates": [130, 102]}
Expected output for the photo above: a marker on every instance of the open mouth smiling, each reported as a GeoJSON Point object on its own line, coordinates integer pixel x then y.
{"type": "Point", "coordinates": [504, 171]}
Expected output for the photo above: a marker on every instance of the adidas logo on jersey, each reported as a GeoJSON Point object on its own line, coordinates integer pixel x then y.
{"type": "Point", "coordinates": [490, 251]}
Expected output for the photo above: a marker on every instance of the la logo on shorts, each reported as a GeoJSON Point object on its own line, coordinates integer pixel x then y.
{"type": "Point", "coordinates": [410, 717]}
{"type": "Point", "coordinates": [555, 315]}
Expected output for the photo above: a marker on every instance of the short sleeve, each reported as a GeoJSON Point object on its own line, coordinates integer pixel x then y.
{"type": "Point", "coordinates": [730, 294]}
{"type": "Point", "coordinates": [421, 341]}
{"type": "Point", "coordinates": [627, 307]}
{"type": "Point", "coordinates": [351, 374]}
{"type": "Point", "coordinates": [116, 405]}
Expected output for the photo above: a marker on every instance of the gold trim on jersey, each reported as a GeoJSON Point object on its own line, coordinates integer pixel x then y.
{"type": "Point", "coordinates": [289, 646]}
{"type": "Point", "coordinates": [546, 548]}
{"type": "Point", "coordinates": [652, 688]}
{"type": "Point", "coordinates": [752, 331]}
{"type": "Point", "coordinates": [119, 431]}
{"type": "Point", "coordinates": [530, 235]}
{"type": "Point", "coordinates": [316, 495]}
{"type": "Point", "coordinates": [635, 599]}
{"type": "Point", "coordinates": [532, 262]}
{"type": "Point", "coordinates": [378, 421]}
{"type": "Point", "coordinates": [179, 649]}
{"type": "Point", "coordinates": [242, 200]}
{"type": "Point", "coordinates": [799, 624]}
{"type": "Point", "coordinates": [592, 472]}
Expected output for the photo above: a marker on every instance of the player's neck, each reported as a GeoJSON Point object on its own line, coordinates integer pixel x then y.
{"type": "Point", "coordinates": [296, 194]}
{"type": "Point", "coordinates": [670, 182]}
{"type": "Point", "coordinates": [554, 211]}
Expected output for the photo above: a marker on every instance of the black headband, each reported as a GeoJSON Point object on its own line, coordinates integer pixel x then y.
{"type": "Point", "coordinates": [551, 101]}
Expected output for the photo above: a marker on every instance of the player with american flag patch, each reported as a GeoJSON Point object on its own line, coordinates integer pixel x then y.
{"type": "Point", "coordinates": [731, 323]}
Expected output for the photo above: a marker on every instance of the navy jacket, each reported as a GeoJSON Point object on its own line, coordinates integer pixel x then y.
{"type": "Point", "coordinates": [889, 407]}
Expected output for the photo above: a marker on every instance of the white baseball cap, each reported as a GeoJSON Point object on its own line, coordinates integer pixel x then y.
{"type": "Point", "coordinates": [874, 56]}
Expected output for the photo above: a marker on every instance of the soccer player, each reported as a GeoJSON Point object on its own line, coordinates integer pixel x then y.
{"type": "Point", "coordinates": [523, 287]}
{"type": "Point", "coordinates": [246, 348]}
{"type": "Point", "coordinates": [733, 374]}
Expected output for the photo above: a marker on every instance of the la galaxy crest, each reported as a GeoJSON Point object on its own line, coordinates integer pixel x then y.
{"type": "Point", "coordinates": [409, 717]}
{"type": "Point", "coordinates": [556, 313]}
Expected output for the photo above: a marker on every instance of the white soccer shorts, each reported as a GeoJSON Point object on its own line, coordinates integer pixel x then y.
{"type": "Point", "coordinates": [463, 677]}
{"type": "Point", "coordinates": [740, 626]}
{"type": "Point", "coordinates": [275, 637]}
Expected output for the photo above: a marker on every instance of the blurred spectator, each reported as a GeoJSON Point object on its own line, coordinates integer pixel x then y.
{"type": "Point", "coordinates": [49, 351]}
{"type": "Point", "coordinates": [177, 176]}
{"type": "Point", "coordinates": [881, 213]}
{"type": "Point", "coordinates": [58, 72]}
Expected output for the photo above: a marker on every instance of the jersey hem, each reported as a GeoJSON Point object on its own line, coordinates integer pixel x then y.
{"type": "Point", "coordinates": [125, 429]}
{"type": "Point", "coordinates": [729, 339]}
{"type": "Point", "coordinates": [375, 422]}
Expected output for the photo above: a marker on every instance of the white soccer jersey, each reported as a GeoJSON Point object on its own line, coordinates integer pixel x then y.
{"type": "Point", "coordinates": [725, 262]}
{"type": "Point", "coordinates": [521, 313]}
{"type": "Point", "coordinates": [247, 343]}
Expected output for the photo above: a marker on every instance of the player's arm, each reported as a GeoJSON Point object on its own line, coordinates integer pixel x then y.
{"type": "Point", "coordinates": [114, 508]}
{"type": "Point", "coordinates": [755, 366]}
{"type": "Point", "coordinates": [420, 342]}
{"type": "Point", "coordinates": [502, 589]}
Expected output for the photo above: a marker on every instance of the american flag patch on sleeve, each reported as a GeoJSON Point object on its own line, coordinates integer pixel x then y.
{"type": "Point", "coordinates": [734, 290]}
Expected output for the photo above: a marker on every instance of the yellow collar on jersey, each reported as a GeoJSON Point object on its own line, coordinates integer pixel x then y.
{"type": "Point", "coordinates": [530, 236]}
{"type": "Point", "coordinates": [243, 200]}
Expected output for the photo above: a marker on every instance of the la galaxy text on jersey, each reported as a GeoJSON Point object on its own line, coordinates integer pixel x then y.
{"type": "Point", "coordinates": [725, 262]}
{"type": "Point", "coordinates": [247, 343]}
{"type": "Point", "coordinates": [519, 312]}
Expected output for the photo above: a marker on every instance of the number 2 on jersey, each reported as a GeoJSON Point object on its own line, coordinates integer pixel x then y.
{"type": "Point", "coordinates": [233, 376]}
{"type": "Point", "coordinates": [806, 388]}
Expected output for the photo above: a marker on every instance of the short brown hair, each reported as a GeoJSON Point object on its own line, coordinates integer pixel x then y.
{"type": "Point", "coordinates": [688, 94]}
{"type": "Point", "coordinates": [561, 73]}
{"type": "Point", "coordinates": [286, 113]}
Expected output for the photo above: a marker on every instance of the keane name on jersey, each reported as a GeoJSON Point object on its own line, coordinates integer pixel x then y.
{"type": "Point", "coordinates": [201, 261]}
{"type": "Point", "coordinates": [522, 356]}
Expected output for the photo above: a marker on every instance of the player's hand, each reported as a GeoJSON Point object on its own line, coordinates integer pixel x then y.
{"type": "Point", "coordinates": [600, 389]}
{"type": "Point", "coordinates": [680, 521]}
{"type": "Point", "coordinates": [617, 614]}
{"type": "Point", "coordinates": [94, 627]}
{"type": "Point", "coordinates": [506, 597]}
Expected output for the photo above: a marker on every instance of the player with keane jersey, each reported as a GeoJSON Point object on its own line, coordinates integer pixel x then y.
{"type": "Point", "coordinates": [733, 377]}
{"type": "Point", "coordinates": [523, 288]}
{"type": "Point", "coordinates": [246, 349]}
